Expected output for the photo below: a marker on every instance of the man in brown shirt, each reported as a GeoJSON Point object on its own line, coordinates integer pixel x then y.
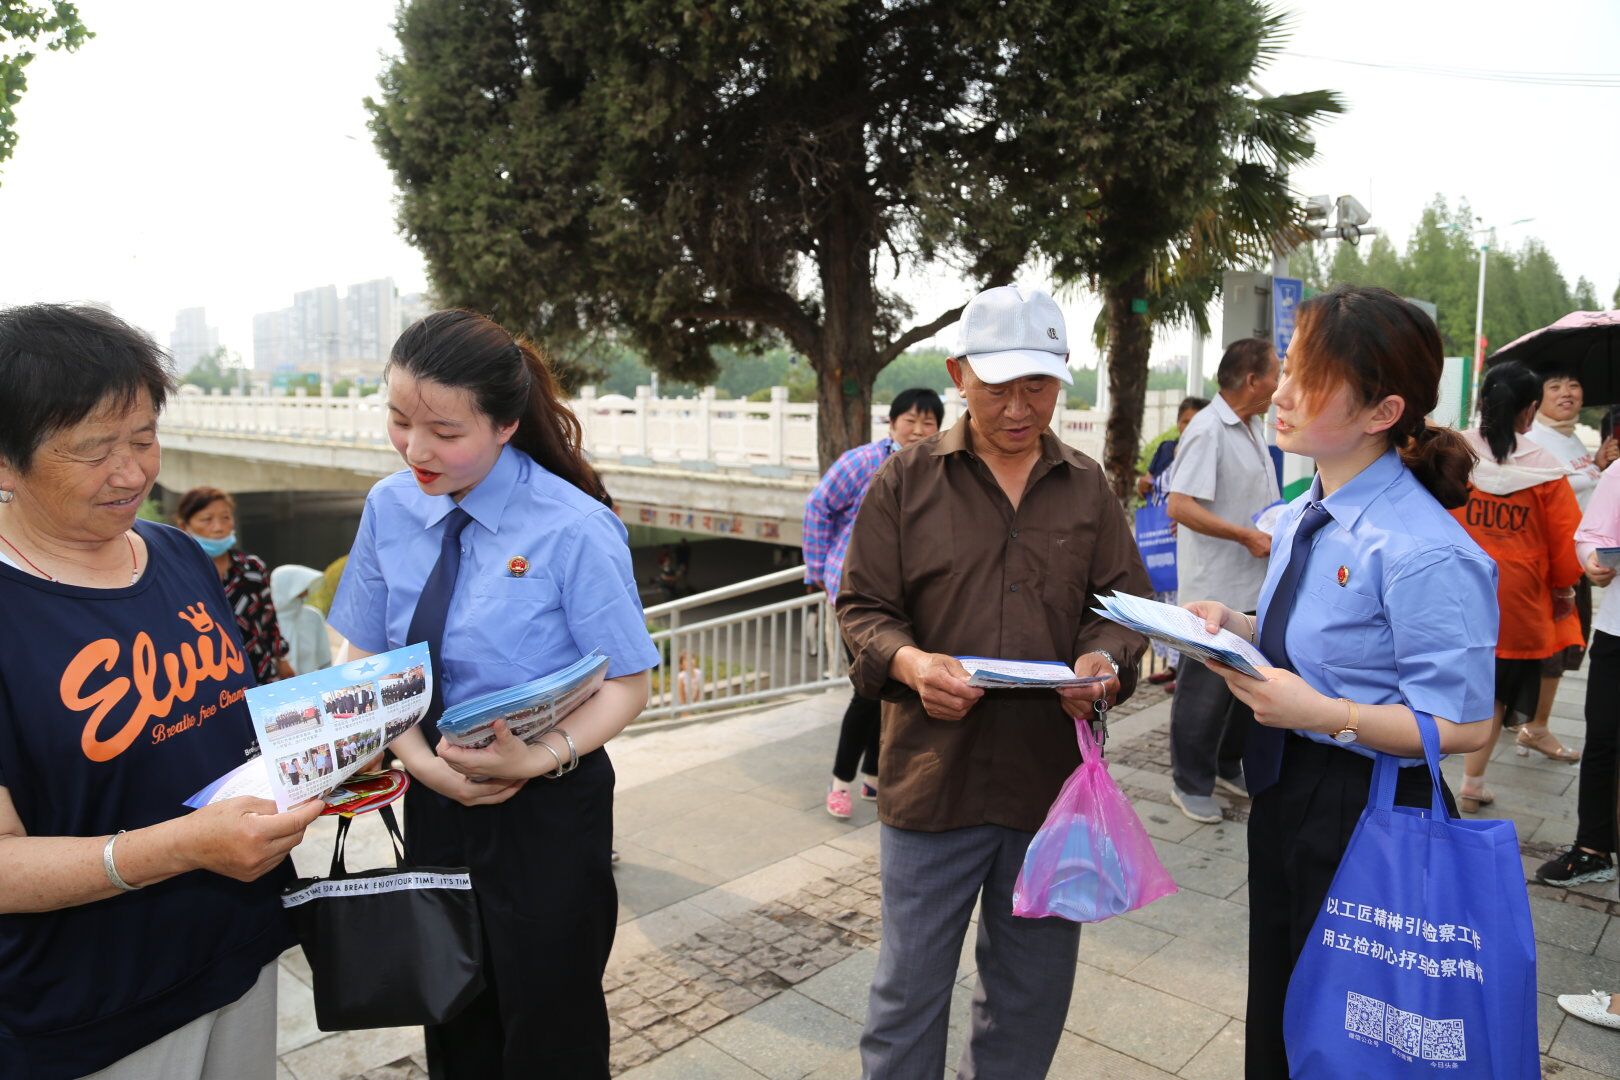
{"type": "Point", "coordinates": [989, 539]}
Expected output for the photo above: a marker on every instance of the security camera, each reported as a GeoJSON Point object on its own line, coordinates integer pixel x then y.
{"type": "Point", "coordinates": [1351, 212]}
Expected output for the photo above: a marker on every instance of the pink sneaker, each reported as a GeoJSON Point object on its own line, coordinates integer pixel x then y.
{"type": "Point", "coordinates": [839, 804]}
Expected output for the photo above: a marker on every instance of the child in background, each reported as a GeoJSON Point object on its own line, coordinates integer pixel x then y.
{"type": "Point", "coordinates": [688, 680]}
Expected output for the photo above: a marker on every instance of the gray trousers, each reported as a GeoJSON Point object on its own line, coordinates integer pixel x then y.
{"type": "Point", "coordinates": [1208, 727]}
{"type": "Point", "coordinates": [237, 1042]}
{"type": "Point", "coordinates": [931, 882]}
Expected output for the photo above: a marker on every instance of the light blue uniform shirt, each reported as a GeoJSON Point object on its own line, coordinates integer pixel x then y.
{"type": "Point", "coordinates": [502, 629]}
{"type": "Point", "coordinates": [1413, 621]}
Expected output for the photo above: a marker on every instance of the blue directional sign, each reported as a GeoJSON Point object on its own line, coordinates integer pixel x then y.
{"type": "Point", "coordinates": [1286, 293]}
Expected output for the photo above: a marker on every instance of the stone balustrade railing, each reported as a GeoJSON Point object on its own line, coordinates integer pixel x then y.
{"type": "Point", "coordinates": [703, 432]}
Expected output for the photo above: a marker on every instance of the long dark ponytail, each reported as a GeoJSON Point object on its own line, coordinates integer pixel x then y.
{"type": "Point", "coordinates": [1509, 389]}
{"type": "Point", "coordinates": [1379, 344]}
{"type": "Point", "coordinates": [509, 379]}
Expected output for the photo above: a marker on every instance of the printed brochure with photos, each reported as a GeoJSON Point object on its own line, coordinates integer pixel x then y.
{"type": "Point", "coordinates": [317, 730]}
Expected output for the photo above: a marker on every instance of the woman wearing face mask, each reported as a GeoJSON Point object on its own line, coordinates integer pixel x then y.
{"type": "Point", "coordinates": [208, 516]}
{"type": "Point", "coordinates": [497, 549]}
{"type": "Point", "coordinates": [1376, 603]}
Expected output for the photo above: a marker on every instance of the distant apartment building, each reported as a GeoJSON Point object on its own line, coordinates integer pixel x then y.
{"type": "Point", "coordinates": [317, 323]}
{"type": "Point", "coordinates": [192, 338]}
{"type": "Point", "coordinates": [370, 319]}
{"type": "Point", "coordinates": [273, 346]}
{"type": "Point", "coordinates": [413, 306]}
{"type": "Point", "coordinates": [345, 337]}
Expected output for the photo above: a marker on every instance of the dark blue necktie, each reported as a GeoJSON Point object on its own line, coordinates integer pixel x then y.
{"type": "Point", "coordinates": [1263, 751]}
{"type": "Point", "coordinates": [427, 621]}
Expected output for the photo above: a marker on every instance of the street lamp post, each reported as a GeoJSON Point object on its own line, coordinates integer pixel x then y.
{"type": "Point", "coordinates": [1479, 304]}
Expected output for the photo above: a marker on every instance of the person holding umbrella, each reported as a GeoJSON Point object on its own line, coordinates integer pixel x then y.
{"type": "Point", "coordinates": [1554, 431]}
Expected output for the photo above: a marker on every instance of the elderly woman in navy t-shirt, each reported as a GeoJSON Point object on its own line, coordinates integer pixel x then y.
{"type": "Point", "coordinates": [136, 939]}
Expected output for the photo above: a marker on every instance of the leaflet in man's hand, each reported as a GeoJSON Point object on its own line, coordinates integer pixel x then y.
{"type": "Point", "coordinates": [530, 710]}
{"type": "Point", "coordinates": [1024, 674]}
{"type": "Point", "coordinates": [1609, 556]}
{"type": "Point", "coordinates": [1182, 630]}
{"type": "Point", "coordinates": [317, 730]}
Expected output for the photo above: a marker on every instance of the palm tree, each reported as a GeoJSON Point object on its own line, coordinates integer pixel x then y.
{"type": "Point", "coordinates": [1250, 216]}
{"type": "Point", "coordinates": [1187, 163]}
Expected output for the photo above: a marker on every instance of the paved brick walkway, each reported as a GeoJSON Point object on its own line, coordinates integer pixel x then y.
{"type": "Point", "coordinates": [749, 920]}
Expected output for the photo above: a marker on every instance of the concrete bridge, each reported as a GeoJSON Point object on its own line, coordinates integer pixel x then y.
{"type": "Point", "coordinates": [702, 465]}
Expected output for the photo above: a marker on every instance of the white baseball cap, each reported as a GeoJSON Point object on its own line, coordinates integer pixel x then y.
{"type": "Point", "coordinates": [1008, 333]}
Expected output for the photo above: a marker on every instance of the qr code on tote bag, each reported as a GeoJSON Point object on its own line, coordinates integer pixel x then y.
{"type": "Point", "coordinates": [1371, 1021]}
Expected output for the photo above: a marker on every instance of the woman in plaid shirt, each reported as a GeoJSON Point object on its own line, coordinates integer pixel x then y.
{"type": "Point", "coordinates": [829, 517]}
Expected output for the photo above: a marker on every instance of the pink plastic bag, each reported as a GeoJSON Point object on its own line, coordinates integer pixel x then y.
{"type": "Point", "coordinates": [1092, 859]}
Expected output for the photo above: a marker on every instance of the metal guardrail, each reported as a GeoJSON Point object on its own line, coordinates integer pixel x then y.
{"type": "Point", "coordinates": [756, 656]}
{"type": "Point", "coordinates": [746, 658]}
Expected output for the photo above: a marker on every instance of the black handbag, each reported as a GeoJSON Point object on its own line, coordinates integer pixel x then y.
{"type": "Point", "coordinates": [400, 947]}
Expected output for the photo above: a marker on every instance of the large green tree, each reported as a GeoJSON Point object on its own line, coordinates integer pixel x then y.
{"type": "Point", "coordinates": [706, 175]}
{"type": "Point", "coordinates": [25, 28]}
{"type": "Point", "coordinates": [1185, 165]}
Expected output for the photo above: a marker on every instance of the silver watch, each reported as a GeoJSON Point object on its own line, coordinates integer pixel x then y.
{"type": "Point", "coordinates": [1108, 656]}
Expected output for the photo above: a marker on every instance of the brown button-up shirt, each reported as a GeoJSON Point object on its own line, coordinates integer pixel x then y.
{"type": "Point", "coordinates": [939, 559]}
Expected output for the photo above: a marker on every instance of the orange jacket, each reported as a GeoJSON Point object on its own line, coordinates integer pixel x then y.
{"type": "Point", "coordinates": [1524, 514]}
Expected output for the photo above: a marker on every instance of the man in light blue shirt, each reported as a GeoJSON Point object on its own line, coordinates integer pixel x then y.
{"type": "Point", "coordinates": [1221, 480]}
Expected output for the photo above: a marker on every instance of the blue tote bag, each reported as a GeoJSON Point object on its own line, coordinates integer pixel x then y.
{"type": "Point", "coordinates": [1422, 961]}
{"type": "Point", "coordinates": [1157, 543]}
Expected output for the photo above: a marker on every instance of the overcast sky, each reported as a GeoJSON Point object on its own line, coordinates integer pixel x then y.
{"type": "Point", "coordinates": [216, 154]}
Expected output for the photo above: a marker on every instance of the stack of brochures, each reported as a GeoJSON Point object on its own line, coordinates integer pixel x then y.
{"type": "Point", "coordinates": [1181, 629]}
{"type": "Point", "coordinates": [530, 710]}
{"type": "Point", "coordinates": [990, 674]}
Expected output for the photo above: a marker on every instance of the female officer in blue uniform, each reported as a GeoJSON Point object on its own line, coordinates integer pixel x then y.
{"type": "Point", "coordinates": [497, 548]}
{"type": "Point", "coordinates": [1376, 603]}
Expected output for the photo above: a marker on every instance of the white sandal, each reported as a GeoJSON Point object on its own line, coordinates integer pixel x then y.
{"type": "Point", "coordinates": [1593, 1008]}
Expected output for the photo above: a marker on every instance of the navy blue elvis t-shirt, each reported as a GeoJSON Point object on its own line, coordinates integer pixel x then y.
{"type": "Point", "coordinates": [116, 705]}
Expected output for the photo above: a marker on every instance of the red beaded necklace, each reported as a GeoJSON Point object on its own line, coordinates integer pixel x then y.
{"type": "Point", "coordinates": [134, 565]}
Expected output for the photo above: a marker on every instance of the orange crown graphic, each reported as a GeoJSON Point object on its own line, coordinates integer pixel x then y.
{"type": "Point", "coordinates": [197, 615]}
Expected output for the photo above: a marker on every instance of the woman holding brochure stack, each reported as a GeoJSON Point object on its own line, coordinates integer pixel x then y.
{"type": "Point", "coordinates": [497, 548]}
{"type": "Point", "coordinates": [1376, 603]}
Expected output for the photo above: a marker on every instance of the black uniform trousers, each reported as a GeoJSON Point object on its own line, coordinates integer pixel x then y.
{"type": "Point", "coordinates": [541, 866]}
{"type": "Point", "coordinates": [1298, 831]}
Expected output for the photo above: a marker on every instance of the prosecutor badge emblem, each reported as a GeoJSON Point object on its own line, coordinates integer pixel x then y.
{"type": "Point", "coordinates": [1343, 576]}
{"type": "Point", "coordinates": [517, 566]}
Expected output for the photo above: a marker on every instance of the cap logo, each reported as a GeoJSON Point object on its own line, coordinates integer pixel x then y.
{"type": "Point", "coordinates": [1051, 332]}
